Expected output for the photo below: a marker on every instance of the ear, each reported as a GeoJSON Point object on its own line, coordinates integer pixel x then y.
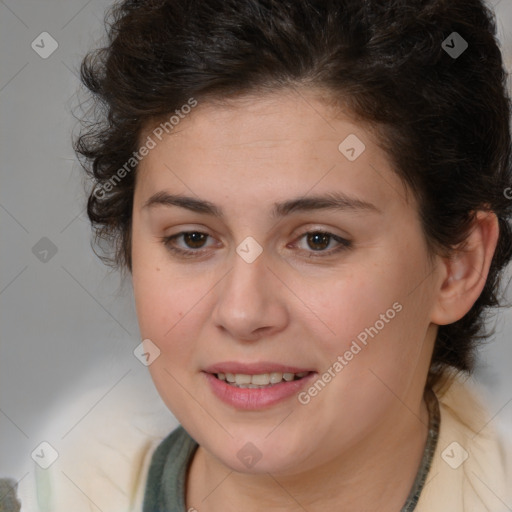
{"type": "Point", "coordinates": [465, 272]}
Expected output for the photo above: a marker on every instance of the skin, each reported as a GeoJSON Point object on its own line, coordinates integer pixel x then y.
{"type": "Point", "coordinates": [360, 440]}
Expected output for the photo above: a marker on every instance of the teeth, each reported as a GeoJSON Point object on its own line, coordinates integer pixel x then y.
{"type": "Point", "coordinates": [255, 381]}
{"type": "Point", "coordinates": [243, 379]}
{"type": "Point", "coordinates": [260, 380]}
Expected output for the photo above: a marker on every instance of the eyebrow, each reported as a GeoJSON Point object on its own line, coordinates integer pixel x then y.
{"type": "Point", "coordinates": [330, 201]}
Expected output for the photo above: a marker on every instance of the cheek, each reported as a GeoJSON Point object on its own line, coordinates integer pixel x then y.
{"type": "Point", "coordinates": [343, 306]}
{"type": "Point", "coordinates": [168, 311]}
{"type": "Point", "coordinates": [164, 305]}
{"type": "Point", "coordinates": [156, 292]}
{"type": "Point", "coordinates": [171, 308]}
{"type": "Point", "coordinates": [377, 311]}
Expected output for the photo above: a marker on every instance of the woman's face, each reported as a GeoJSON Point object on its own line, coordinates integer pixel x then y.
{"type": "Point", "coordinates": [302, 255]}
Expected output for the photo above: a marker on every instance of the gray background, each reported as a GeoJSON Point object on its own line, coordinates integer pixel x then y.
{"type": "Point", "coordinates": [68, 325]}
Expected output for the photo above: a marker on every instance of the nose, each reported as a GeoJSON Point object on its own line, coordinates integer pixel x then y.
{"type": "Point", "coordinates": [251, 301]}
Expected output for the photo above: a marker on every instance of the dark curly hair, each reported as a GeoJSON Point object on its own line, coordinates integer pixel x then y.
{"type": "Point", "coordinates": [442, 118]}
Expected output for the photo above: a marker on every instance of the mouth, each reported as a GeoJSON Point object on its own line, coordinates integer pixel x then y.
{"type": "Point", "coordinates": [259, 381]}
{"type": "Point", "coordinates": [256, 385]}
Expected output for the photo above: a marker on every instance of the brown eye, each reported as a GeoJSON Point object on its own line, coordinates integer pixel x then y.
{"type": "Point", "coordinates": [318, 241]}
{"type": "Point", "coordinates": [194, 239]}
{"type": "Point", "coordinates": [192, 243]}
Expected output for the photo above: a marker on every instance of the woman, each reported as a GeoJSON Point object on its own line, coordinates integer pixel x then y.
{"type": "Point", "coordinates": [310, 199]}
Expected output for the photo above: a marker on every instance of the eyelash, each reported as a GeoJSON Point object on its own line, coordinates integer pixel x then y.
{"type": "Point", "coordinates": [344, 244]}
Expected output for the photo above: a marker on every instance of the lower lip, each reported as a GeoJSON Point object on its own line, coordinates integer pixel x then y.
{"type": "Point", "coordinates": [253, 398]}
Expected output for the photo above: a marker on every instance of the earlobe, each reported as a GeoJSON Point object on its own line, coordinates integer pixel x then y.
{"type": "Point", "coordinates": [466, 271]}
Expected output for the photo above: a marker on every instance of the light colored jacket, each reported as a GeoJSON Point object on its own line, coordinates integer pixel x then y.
{"type": "Point", "coordinates": [103, 461]}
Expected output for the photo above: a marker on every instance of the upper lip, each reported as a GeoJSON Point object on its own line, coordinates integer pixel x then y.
{"type": "Point", "coordinates": [253, 368]}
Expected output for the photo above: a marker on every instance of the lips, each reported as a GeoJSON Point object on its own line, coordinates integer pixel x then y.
{"type": "Point", "coordinates": [222, 379]}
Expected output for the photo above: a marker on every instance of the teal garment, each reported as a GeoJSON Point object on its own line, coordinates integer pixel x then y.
{"type": "Point", "coordinates": [165, 486]}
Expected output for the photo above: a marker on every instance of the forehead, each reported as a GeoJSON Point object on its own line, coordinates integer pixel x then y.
{"type": "Point", "coordinates": [281, 144]}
